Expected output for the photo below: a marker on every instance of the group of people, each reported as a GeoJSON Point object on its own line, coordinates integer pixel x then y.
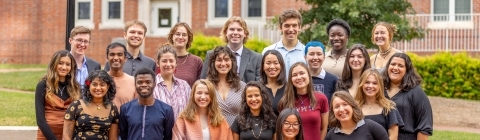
{"type": "Point", "coordinates": [289, 91]}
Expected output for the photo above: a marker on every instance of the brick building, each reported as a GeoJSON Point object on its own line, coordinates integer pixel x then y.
{"type": "Point", "coordinates": [32, 30]}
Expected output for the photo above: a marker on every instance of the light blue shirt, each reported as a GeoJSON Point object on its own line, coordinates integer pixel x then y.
{"type": "Point", "coordinates": [82, 73]}
{"type": "Point", "coordinates": [290, 57]}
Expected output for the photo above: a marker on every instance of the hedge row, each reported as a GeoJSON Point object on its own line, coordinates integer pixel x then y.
{"type": "Point", "coordinates": [201, 44]}
{"type": "Point", "coordinates": [449, 75]}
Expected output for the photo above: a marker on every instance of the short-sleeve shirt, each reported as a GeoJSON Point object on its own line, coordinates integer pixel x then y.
{"type": "Point", "coordinates": [365, 130]}
{"type": "Point", "coordinates": [311, 117]}
{"type": "Point", "coordinates": [333, 65]}
{"type": "Point", "coordinates": [258, 131]}
{"type": "Point", "coordinates": [392, 118]}
{"type": "Point", "coordinates": [88, 126]}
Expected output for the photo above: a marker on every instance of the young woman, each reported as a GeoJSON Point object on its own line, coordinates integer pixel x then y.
{"type": "Point", "coordinates": [338, 32]}
{"type": "Point", "coordinates": [256, 119]}
{"type": "Point", "coordinates": [356, 63]}
{"type": "Point", "coordinates": [170, 89]}
{"type": "Point", "coordinates": [222, 72]}
{"type": "Point", "coordinates": [382, 36]}
{"type": "Point", "coordinates": [313, 106]}
{"type": "Point", "coordinates": [288, 125]}
{"type": "Point", "coordinates": [189, 66]}
{"type": "Point", "coordinates": [273, 76]}
{"type": "Point", "coordinates": [95, 116]}
{"type": "Point", "coordinates": [346, 120]}
{"type": "Point", "coordinates": [54, 93]}
{"type": "Point", "coordinates": [202, 118]}
{"type": "Point", "coordinates": [371, 99]}
{"type": "Point", "coordinates": [403, 88]}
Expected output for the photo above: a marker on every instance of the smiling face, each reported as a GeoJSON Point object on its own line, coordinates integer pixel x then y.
{"type": "Point", "coordinates": [116, 58]}
{"type": "Point", "coordinates": [144, 85]}
{"type": "Point", "coordinates": [381, 36]}
{"type": "Point", "coordinates": [290, 29]}
{"type": "Point", "coordinates": [315, 57]}
{"type": "Point", "coordinates": [254, 98]}
{"type": "Point", "coordinates": [342, 110]}
{"type": "Point", "coordinates": [180, 37]}
{"type": "Point", "coordinates": [338, 37]}
{"type": "Point", "coordinates": [290, 127]}
{"type": "Point", "coordinates": [202, 97]}
{"type": "Point", "coordinates": [134, 36]}
{"type": "Point", "coordinates": [223, 64]}
{"type": "Point", "coordinates": [235, 33]}
{"type": "Point", "coordinates": [300, 78]}
{"type": "Point", "coordinates": [79, 43]}
{"type": "Point", "coordinates": [396, 70]}
{"type": "Point", "coordinates": [63, 67]}
{"type": "Point", "coordinates": [98, 88]}
{"type": "Point", "coordinates": [167, 63]}
{"type": "Point", "coordinates": [370, 87]}
{"type": "Point", "coordinates": [271, 66]}
{"type": "Point", "coordinates": [356, 60]}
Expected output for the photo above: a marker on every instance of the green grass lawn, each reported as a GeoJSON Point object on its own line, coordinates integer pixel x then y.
{"type": "Point", "coordinates": [17, 109]}
{"type": "Point", "coordinates": [21, 80]}
{"type": "Point", "coordinates": [22, 66]}
{"type": "Point", "coordinates": [449, 135]}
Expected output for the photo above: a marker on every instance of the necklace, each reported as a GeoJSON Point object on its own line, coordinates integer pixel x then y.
{"type": "Point", "coordinates": [61, 90]}
{"type": "Point", "coordinates": [384, 54]}
{"type": "Point", "coordinates": [186, 57]}
{"type": "Point", "coordinates": [261, 128]}
{"type": "Point", "coordinates": [303, 100]}
{"type": "Point", "coordinates": [98, 106]}
{"type": "Point", "coordinates": [256, 123]}
{"type": "Point", "coordinates": [370, 105]}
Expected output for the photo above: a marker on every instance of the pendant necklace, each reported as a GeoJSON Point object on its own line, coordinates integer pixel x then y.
{"type": "Point", "coordinates": [261, 128]}
{"type": "Point", "coordinates": [98, 106]}
{"type": "Point", "coordinates": [303, 100]}
{"type": "Point", "coordinates": [61, 90]}
{"type": "Point", "coordinates": [256, 123]}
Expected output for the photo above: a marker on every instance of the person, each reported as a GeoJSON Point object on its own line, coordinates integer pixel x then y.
{"type": "Point", "coordinates": [371, 99]}
{"type": "Point", "coordinates": [170, 89]}
{"type": "Point", "coordinates": [125, 84]}
{"type": "Point", "coordinates": [312, 105]}
{"type": "Point", "coordinates": [256, 115]}
{"type": "Point", "coordinates": [134, 33]}
{"type": "Point", "coordinates": [355, 64]}
{"type": "Point", "coordinates": [235, 33]}
{"type": "Point", "coordinates": [79, 40]}
{"type": "Point", "coordinates": [288, 125]}
{"type": "Point", "coordinates": [402, 84]}
{"type": "Point", "coordinates": [202, 118]}
{"type": "Point", "coordinates": [290, 22]}
{"type": "Point", "coordinates": [322, 80]}
{"type": "Point", "coordinates": [338, 32]}
{"type": "Point", "coordinates": [189, 66]}
{"type": "Point", "coordinates": [95, 116]}
{"type": "Point", "coordinates": [221, 72]}
{"type": "Point", "coordinates": [347, 121]}
{"type": "Point", "coordinates": [273, 76]}
{"type": "Point", "coordinates": [54, 93]}
{"type": "Point", "coordinates": [146, 117]}
{"type": "Point", "coordinates": [382, 36]}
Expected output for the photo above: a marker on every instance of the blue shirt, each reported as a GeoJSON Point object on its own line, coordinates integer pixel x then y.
{"type": "Point", "coordinates": [146, 122]}
{"type": "Point", "coordinates": [82, 73]}
{"type": "Point", "coordinates": [290, 57]}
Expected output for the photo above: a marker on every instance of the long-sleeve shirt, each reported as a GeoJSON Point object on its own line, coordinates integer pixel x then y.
{"type": "Point", "coordinates": [177, 97]}
{"type": "Point", "coordinates": [185, 129]}
{"type": "Point", "coordinates": [153, 122]}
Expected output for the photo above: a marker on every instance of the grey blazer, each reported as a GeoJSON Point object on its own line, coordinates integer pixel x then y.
{"type": "Point", "coordinates": [249, 65]}
{"type": "Point", "coordinates": [92, 65]}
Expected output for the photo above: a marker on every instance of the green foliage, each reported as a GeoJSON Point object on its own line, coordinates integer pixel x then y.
{"type": "Point", "coordinates": [449, 75]}
{"type": "Point", "coordinates": [201, 44]}
{"type": "Point", "coordinates": [361, 15]}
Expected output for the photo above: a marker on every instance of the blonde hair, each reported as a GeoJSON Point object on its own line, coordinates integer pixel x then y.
{"type": "Point", "coordinates": [379, 97]}
{"type": "Point", "coordinates": [390, 27]}
{"type": "Point", "coordinates": [239, 20]}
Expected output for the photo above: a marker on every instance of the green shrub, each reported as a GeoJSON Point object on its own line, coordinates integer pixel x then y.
{"type": "Point", "coordinates": [201, 44]}
{"type": "Point", "coordinates": [449, 75]}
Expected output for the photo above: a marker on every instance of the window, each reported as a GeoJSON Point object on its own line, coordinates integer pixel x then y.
{"type": "Point", "coordinates": [84, 13]}
{"type": "Point", "coordinates": [83, 10]}
{"type": "Point", "coordinates": [112, 14]}
{"type": "Point", "coordinates": [452, 10]}
{"type": "Point", "coordinates": [218, 12]}
{"type": "Point", "coordinates": [221, 8]}
{"type": "Point", "coordinates": [254, 8]}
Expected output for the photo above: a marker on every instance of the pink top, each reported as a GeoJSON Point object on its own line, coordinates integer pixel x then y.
{"type": "Point", "coordinates": [125, 86]}
{"type": "Point", "coordinates": [311, 118]}
{"type": "Point", "coordinates": [177, 98]}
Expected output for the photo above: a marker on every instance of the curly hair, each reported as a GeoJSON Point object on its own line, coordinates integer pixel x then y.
{"type": "Point", "coordinates": [52, 78]}
{"type": "Point", "coordinates": [339, 22]}
{"type": "Point", "coordinates": [239, 20]}
{"type": "Point", "coordinates": [390, 27]}
{"type": "Point", "coordinates": [281, 78]}
{"type": "Point", "coordinates": [380, 98]}
{"type": "Point", "coordinates": [212, 73]}
{"type": "Point", "coordinates": [357, 113]}
{"type": "Point", "coordinates": [289, 14]}
{"type": "Point", "coordinates": [174, 30]}
{"type": "Point", "coordinates": [411, 78]}
{"type": "Point", "coordinates": [102, 76]}
{"type": "Point", "coordinates": [267, 115]}
{"type": "Point", "coordinates": [346, 81]}
{"type": "Point", "coordinates": [290, 94]}
{"type": "Point", "coordinates": [281, 118]}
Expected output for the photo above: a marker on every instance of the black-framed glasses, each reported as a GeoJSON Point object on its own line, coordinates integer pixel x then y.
{"type": "Point", "coordinates": [288, 125]}
{"type": "Point", "coordinates": [80, 41]}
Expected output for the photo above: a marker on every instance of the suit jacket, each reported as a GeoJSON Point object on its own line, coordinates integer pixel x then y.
{"type": "Point", "coordinates": [92, 65]}
{"type": "Point", "coordinates": [249, 65]}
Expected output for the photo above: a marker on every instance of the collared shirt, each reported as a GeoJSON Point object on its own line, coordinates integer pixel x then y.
{"type": "Point", "coordinates": [238, 56]}
{"type": "Point", "coordinates": [322, 74]}
{"type": "Point", "coordinates": [177, 98]}
{"type": "Point", "coordinates": [82, 73]}
{"type": "Point", "coordinates": [333, 65]}
{"type": "Point", "coordinates": [132, 64]}
{"type": "Point", "coordinates": [289, 56]}
{"type": "Point", "coordinates": [359, 123]}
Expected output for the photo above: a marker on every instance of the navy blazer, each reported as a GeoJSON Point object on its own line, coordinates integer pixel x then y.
{"type": "Point", "coordinates": [92, 65]}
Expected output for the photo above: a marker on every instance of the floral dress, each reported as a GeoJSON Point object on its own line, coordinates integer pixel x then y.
{"type": "Point", "coordinates": [88, 126]}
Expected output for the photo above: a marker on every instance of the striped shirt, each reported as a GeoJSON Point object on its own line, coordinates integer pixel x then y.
{"type": "Point", "coordinates": [177, 98]}
{"type": "Point", "coordinates": [232, 105]}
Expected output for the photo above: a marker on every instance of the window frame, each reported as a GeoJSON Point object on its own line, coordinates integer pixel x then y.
{"type": "Point", "coordinates": [88, 23]}
{"type": "Point", "coordinates": [218, 21]}
{"type": "Point", "coordinates": [107, 23]}
{"type": "Point", "coordinates": [451, 23]}
{"type": "Point", "coordinates": [245, 9]}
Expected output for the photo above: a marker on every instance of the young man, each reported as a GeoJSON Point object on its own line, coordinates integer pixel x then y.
{"type": "Point", "coordinates": [79, 40]}
{"type": "Point", "coordinates": [290, 47]}
{"type": "Point", "coordinates": [125, 84]}
{"type": "Point", "coordinates": [135, 34]}
{"type": "Point", "coordinates": [146, 117]}
{"type": "Point", "coordinates": [235, 34]}
{"type": "Point", "coordinates": [322, 80]}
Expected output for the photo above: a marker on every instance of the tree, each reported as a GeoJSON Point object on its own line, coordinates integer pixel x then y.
{"type": "Point", "coordinates": [361, 15]}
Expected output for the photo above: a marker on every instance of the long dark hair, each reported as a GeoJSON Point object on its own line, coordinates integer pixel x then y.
{"type": "Point", "coordinates": [281, 78]}
{"type": "Point", "coordinates": [212, 73]}
{"type": "Point", "coordinates": [281, 118]}
{"type": "Point", "coordinates": [411, 78]}
{"type": "Point", "coordinates": [267, 115]}
{"type": "Point", "coordinates": [346, 80]}
{"type": "Point", "coordinates": [102, 76]}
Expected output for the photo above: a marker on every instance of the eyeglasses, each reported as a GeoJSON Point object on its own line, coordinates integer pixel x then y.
{"type": "Point", "coordinates": [178, 34]}
{"type": "Point", "coordinates": [288, 125]}
{"type": "Point", "coordinates": [80, 41]}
